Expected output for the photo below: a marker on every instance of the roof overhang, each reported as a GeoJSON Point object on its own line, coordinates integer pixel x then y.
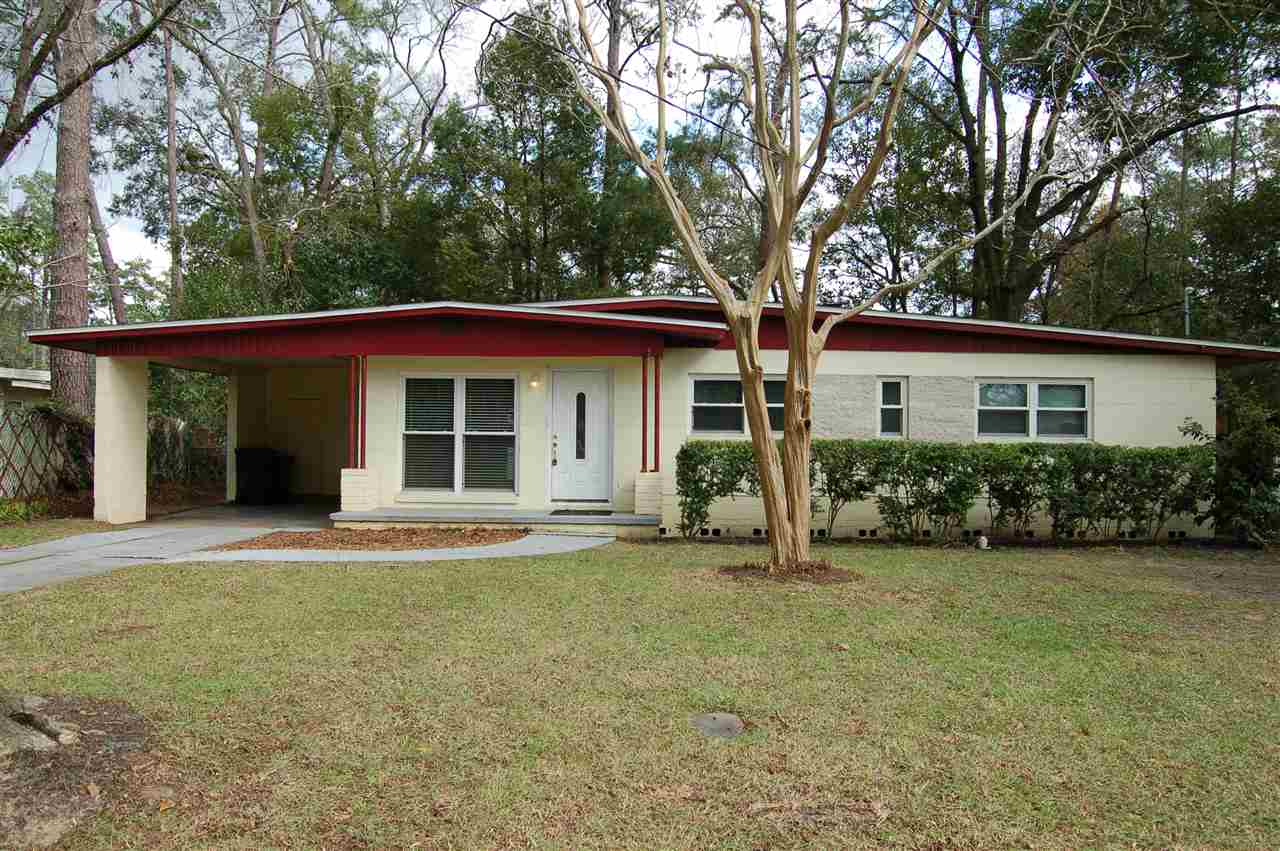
{"type": "Point", "coordinates": [452, 328]}
{"type": "Point", "coordinates": [1109, 340]}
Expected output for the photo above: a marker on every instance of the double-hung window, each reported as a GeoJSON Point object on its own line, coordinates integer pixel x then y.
{"type": "Point", "coordinates": [718, 406]}
{"type": "Point", "coordinates": [460, 434]}
{"type": "Point", "coordinates": [893, 407]}
{"type": "Point", "coordinates": [1030, 409]}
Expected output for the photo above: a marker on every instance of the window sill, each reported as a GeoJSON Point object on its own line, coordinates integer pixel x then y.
{"type": "Point", "coordinates": [422, 497]}
{"type": "Point", "coordinates": [1023, 438]}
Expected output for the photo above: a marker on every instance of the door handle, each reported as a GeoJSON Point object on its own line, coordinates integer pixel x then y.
{"type": "Point", "coordinates": [555, 449]}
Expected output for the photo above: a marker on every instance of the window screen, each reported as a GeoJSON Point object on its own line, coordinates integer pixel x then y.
{"type": "Point", "coordinates": [718, 405]}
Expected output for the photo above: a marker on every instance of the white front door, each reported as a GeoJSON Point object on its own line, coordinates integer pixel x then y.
{"type": "Point", "coordinates": [581, 444]}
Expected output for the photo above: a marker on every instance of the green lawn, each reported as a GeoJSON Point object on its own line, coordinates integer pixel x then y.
{"type": "Point", "coordinates": [948, 699]}
{"type": "Point", "coordinates": [39, 531]}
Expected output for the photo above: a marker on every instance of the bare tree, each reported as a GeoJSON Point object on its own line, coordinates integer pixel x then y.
{"type": "Point", "coordinates": [794, 70]}
{"type": "Point", "coordinates": [171, 175]}
{"type": "Point", "coordinates": [109, 265]}
{"type": "Point", "coordinates": [30, 31]}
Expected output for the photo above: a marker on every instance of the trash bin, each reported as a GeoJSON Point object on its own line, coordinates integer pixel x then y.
{"type": "Point", "coordinates": [262, 476]}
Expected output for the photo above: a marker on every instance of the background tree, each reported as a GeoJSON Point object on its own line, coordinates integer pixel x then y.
{"type": "Point", "coordinates": [69, 279]}
{"type": "Point", "coordinates": [29, 33]}
{"type": "Point", "coordinates": [1149, 73]}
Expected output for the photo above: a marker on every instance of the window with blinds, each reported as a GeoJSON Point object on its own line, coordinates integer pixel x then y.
{"type": "Point", "coordinates": [460, 434]}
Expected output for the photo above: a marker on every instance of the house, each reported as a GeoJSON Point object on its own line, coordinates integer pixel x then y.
{"type": "Point", "coordinates": [568, 415]}
{"type": "Point", "coordinates": [21, 387]}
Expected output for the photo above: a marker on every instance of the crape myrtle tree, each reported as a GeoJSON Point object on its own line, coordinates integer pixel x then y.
{"type": "Point", "coordinates": [809, 71]}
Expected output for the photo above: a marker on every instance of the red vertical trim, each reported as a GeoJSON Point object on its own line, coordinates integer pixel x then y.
{"type": "Point", "coordinates": [364, 404]}
{"type": "Point", "coordinates": [351, 412]}
{"type": "Point", "coordinates": [657, 411]}
{"type": "Point", "coordinates": [644, 413]}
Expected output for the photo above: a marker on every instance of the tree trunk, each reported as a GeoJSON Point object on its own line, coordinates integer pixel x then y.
{"type": "Point", "coordinates": [171, 166]}
{"type": "Point", "coordinates": [108, 259]}
{"type": "Point", "coordinates": [613, 155]}
{"type": "Point", "coordinates": [786, 497]}
{"type": "Point", "coordinates": [70, 271]}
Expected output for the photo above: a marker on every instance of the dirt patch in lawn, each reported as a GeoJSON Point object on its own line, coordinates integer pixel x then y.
{"type": "Point", "coordinates": [377, 539]}
{"type": "Point", "coordinates": [817, 572]}
{"type": "Point", "coordinates": [46, 793]}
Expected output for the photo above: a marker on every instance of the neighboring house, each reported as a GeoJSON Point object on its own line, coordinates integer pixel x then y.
{"type": "Point", "coordinates": [23, 386]}
{"type": "Point", "coordinates": [453, 412]}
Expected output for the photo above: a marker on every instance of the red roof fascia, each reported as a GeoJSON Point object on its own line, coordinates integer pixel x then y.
{"type": "Point", "coordinates": [385, 332]}
{"type": "Point", "coordinates": [1054, 341]}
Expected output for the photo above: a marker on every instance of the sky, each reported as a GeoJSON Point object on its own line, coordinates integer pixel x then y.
{"type": "Point", "coordinates": [128, 242]}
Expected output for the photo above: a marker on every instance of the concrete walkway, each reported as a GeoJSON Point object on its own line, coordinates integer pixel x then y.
{"type": "Point", "coordinates": [182, 538]}
{"type": "Point", "coordinates": [529, 545]}
{"type": "Point", "coordinates": [101, 552]}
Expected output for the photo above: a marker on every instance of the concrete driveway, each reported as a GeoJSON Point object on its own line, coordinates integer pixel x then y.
{"type": "Point", "coordinates": [177, 535]}
{"type": "Point", "coordinates": [181, 537]}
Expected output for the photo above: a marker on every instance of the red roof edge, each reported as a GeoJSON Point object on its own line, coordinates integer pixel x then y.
{"type": "Point", "coordinates": [1101, 339]}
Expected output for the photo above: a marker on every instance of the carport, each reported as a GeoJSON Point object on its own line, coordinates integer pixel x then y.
{"type": "Point", "coordinates": [296, 385]}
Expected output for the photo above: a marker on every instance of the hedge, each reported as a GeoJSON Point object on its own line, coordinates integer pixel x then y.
{"type": "Point", "coordinates": [929, 488]}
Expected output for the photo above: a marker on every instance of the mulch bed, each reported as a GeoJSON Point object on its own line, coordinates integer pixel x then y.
{"type": "Point", "coordinates": [816, 572]}
{"type": "Point", "coordinates": [44, 794]}
{"type": "Point", "coordinates": [377, 539]}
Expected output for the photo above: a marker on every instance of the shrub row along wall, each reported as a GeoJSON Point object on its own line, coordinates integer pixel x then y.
{"type": "Point", "coordinates": [928, 489]}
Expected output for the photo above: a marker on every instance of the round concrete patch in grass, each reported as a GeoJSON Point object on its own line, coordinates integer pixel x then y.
{"type": "Point", "coordinates": [720, 725]}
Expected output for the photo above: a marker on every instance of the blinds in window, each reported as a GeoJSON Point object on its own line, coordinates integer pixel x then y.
{"type": "Point", "coordinates": [428, 461]}
{"type": "Point", "coordinates": [428, 404]}
{"type": "Point", "coordinates": [484, 422]}
{"type": "Point", "coordinates": [491, 405]}
{"type": "Point", "coordinates": [429, 441]}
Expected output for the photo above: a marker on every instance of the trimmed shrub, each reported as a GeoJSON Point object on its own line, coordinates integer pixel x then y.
{"type": "Point", "coordinates": [921, 487]}
{"type": "Point", "coordinates": [844, 474]}
{"type": "Point", "coordinates": [924, 486]}
{"type": "Point", "coordinates": [707, 470]}
{"type": "Point", "coordinates": [1014, 478]}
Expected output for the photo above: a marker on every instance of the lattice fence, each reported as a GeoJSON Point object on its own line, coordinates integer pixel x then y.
{"type": "Point", "coordinates": [173, 453]}
{"type": "Point", "coordinates": [42, 453]}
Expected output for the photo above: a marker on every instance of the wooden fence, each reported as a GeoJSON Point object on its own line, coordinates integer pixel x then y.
{"type": "Point", "coordinates": [43, 453]}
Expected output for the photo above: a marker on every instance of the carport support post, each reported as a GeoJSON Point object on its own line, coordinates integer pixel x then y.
{"type": "Point", "coordinates": [233, 433]}
{"type": "Point", "coordinates": [120, 440]}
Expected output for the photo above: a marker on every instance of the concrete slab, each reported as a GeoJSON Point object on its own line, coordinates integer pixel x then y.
{"type": "Point", "coordinates": [185, 537]}
{"type": "Point", "coordinates": [301, 516]}
{"type": "Point", "coordinates": [22, 568]}
{"type": "Point", "coordinates": [513, 517]}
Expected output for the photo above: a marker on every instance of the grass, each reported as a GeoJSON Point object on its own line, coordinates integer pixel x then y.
{"type": "Point", "coordinates": [948, 699]}
{"type": "Point", "coordinates": [39, 531]}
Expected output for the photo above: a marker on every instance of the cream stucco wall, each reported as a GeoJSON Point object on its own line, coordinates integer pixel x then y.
{"type": "Point", "coordinates": [301, 411]}
{"type": "Point", "coordinates": [1137, 400]}
{"type": "Point", "coordinates": [385, 427]}
{"type": "Point", "coordinates": [22, 395]}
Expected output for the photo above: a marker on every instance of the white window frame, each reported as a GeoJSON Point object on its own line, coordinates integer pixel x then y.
{"type": "Point", "coordinates": [746, 427]}
{"type": "Point", "coordinates": [460, 433]}
{"type": "Point", "coordinates": [881, 406]}
{"type": "Point", "coordinates": [1033, 408]}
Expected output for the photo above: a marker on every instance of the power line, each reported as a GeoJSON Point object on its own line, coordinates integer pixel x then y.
{"type": "Point", "coordinates": [572, 57]}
